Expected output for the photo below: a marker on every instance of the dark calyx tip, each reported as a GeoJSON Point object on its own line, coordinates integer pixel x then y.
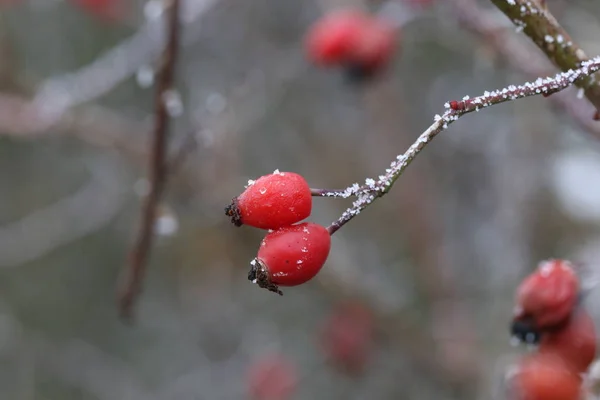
{"type": "Point", "coordinates": [525, 331]}
{"type": "Point", "coordinates": [258, 274]}
{"type": "Point", "coordinates": [233, 211]}
{"type": "Point", "coordinates": [358, 74]}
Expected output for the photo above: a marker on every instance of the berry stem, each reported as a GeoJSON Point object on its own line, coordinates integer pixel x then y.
{"type": "Point", "coordinates": [375, 188]}
{"type": "Point", "coordinates": [158, 168]}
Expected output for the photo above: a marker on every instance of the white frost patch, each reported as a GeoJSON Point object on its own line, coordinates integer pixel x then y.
{"type": "Point", "coordinates": [166, 225]}
{"type": "Point", "coordinates": [263, 190]}
{"type": "Point", "coordinates": [548, 39]}
{"type": "Point", "coordinates": [145, 76]}
{"type": "Point", "coordinates": [216, 103]}
{"type": "Point", "coordinates": [173, 103]}
{"type": "Point", "coordinates": [546, 268]}
{"type": "Point", "coordinates": [573, 178]}
{"type": "Point", "coordinates": [276, 172]}
{"type": "Point", "coordinates": [153, 10]}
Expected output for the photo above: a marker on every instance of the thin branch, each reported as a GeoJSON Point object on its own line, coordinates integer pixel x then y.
{"type": "Point", "coordinates": [542, 28]}
{"type": "Point", "coordinates": [138, 257]}
{"type": "Point", "coordinates": [480, 22]}
{"type": "Point", "coordinates": [374, 189]}
{"type": "Point", "coordinates": [342, 193]}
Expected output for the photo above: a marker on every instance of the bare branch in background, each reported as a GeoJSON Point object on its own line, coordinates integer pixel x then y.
{"type": "Point", "coordinates": [58, 94]}
{"type": "Point", "coordinates": [92, 124]}
{"type": "Point", "coordinates": [539, 24]}
{"type": "Point", "coordinates": [138, 258]}
{"type": "Point", "coordinates": [65, 221]}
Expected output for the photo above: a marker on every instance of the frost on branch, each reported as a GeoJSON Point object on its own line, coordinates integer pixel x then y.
{"type": "Point", "coordinates": [535, 21]}
{"type": "Point", "coordinates": [375, 188]}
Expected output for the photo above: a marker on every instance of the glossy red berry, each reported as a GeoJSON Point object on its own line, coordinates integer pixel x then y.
{"type": "Point", "coordinates": [545, 377]}
{"type": "Point", "coordinates": [548, 296]}
{"type": "Point", "coordinates": [330, 39]}
{"type": "Point", "coordinates": [272, 377]}
{"type": "Point", "coordinates": [347, 337]}
{"type": "Point", "coordinates": [574, 342]}
{"type": "Point", "coordinates": [290, 256]}
{"type": "Point", "coordinates": [272, 201]}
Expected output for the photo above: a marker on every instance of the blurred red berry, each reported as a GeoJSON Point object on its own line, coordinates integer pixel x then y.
{"type": "Point", "coordinates": [272, 377]}
{"type": "Point", "coordinates": [545, 377]}
{"type": "Point", "coordinates": [548, 296]}
{"type": "Point", "coordinates": [330, 39]}
{"type": "Point", "coordinates": [347, 336]}
{"type": "Point", "coordinates": [291, 256]}
{"type": "Point", "coordinates": [107, 10]}
{"type": "Point", "coordinates": [272, 201]}
{"type": "Point", "coordinates": [574, 342]}
{"type": "Point", "coordinates": [374, 47]}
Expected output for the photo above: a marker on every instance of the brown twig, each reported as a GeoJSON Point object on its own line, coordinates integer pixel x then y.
{"type": "Point", "coordinates": [542, 28]}
{"type": "Point", "coordinates": [138, 257]}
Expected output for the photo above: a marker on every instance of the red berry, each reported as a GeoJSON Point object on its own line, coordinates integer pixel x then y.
{"type": "Point", "coordinates": [545, 377]}
{"type": "Point", "coordinates": [575, 342]}
{"type": "Point", "coordinates": [547, 296]}
{"type": "Point", "coordinates": [374, 47]}
{"type": "Point", "coordinates": [347, 337]}
{"type": "Point", "coordinates": [290, 256]}
{"type": "Point", "coordinates": [272, 378]}
{"type": "Point", "coordinates": [330, 39]}
{"type": "Point", "coordinates": [272, 201]}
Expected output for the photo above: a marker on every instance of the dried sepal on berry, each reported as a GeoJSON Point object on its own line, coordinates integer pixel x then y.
{"type": "Point", "coordinates": [258, 274]}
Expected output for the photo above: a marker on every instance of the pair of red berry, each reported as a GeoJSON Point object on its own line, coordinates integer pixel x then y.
{"type": "Point", "coordinates": [291, 253]}
{"type": "Point", "coordinates": [548, 314]}
{"type": "Point", "coordinates": [361, 43]}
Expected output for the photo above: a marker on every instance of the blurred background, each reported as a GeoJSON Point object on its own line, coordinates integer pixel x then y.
{"type": "Point", "coordinates": [415, 299]}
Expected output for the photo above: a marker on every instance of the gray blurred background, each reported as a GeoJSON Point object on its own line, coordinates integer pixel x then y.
{"type": "Point", "coordinates": [435, 262]}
